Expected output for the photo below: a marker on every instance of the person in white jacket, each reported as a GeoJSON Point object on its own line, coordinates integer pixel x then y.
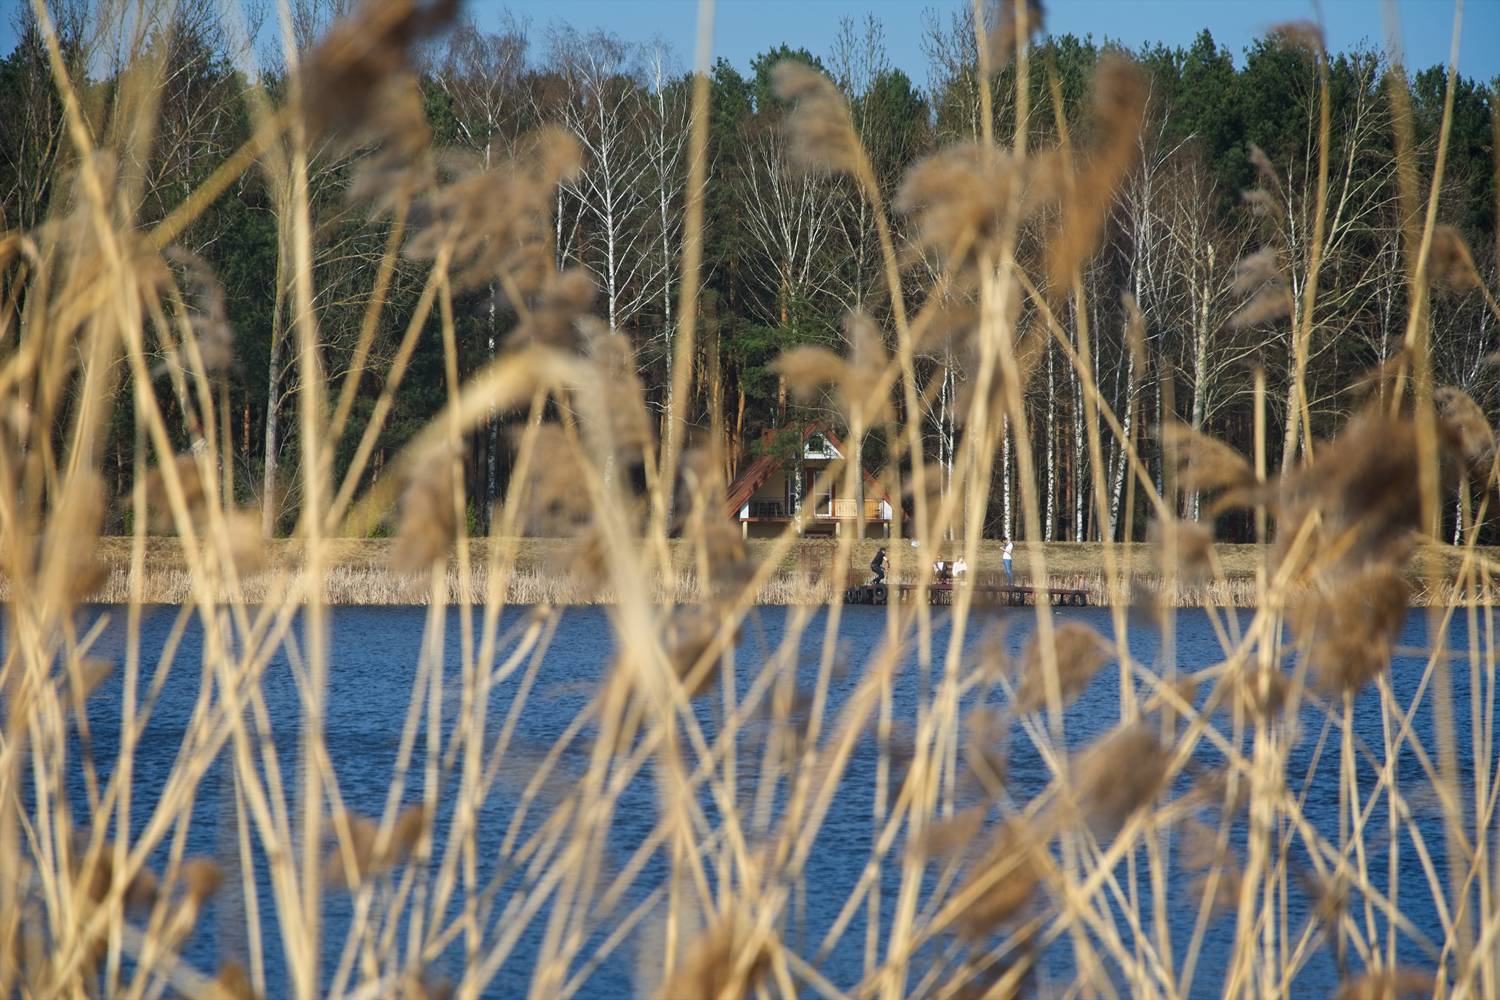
{"type": "Point", "coordinates": [1006, 555]}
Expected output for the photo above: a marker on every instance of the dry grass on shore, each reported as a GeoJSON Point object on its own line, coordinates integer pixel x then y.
{"type": "Point", "coordinates": [362, 573]}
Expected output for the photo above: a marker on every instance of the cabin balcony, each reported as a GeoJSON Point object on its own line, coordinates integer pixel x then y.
{"type": "Point", "coordinates": [870, 510]}
{"type": "Point", "coordinates": [823, 516]}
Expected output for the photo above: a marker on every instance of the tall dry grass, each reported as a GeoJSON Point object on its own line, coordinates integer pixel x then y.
{"type": "Point", "coordinates": [364, 574]}
{"type": "Point", "coordinates": [987, 884]}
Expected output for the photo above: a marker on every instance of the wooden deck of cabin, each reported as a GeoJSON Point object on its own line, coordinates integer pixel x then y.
{"type": "Point", "coordinates": [1004, 595]}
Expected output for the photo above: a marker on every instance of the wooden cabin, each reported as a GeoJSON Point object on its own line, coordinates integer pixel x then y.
{"type": "Point", "coordinates": [772, 491]}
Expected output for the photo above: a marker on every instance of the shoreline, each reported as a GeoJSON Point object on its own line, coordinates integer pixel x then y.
{"type": "Point", "coordinates": [361, 574]}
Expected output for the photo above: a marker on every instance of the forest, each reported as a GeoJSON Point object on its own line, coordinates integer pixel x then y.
{"type": "Point", "coordinates": [1193, 298]}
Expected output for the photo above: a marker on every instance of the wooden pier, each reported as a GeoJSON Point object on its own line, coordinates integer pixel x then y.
{"type": "Point", "coordinates": [943, 594]}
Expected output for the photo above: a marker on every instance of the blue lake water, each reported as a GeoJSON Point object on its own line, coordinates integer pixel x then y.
{"type": "Point", "coordinates": [374, 656]}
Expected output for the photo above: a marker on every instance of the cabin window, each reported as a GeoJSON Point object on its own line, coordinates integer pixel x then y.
{"type": "Point", "coordinates": [822, 499]}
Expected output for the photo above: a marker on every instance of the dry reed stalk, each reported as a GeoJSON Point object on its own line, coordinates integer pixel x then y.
{"type": "Point", "coordinates": [73, 911]}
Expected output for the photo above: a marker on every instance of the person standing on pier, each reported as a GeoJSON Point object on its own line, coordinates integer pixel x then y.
{"type": "Point", "coordinates": [877, 565]}
{"type": "Point", "coordinates": [1010, 548]}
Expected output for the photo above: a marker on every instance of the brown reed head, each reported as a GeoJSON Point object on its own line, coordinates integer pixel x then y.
{"type": "Point", "coordinates": [819, 130]}
{"type": "Point", "coordinates": [1206, 464]}
{"type": "Point", "coordinates": [584, 560]}
{"type": "Point", "coordinates": [807, 369]}
{"type": "Point", "coordinates": [1011, 22]}
{"type": "Point", "coordinates": [1027, 351]}
{"type": "Point", "coordinates": [854, 378]}
{"type": "Point", "coordinates": [428, 521]}
{"type": "Point", "coordinates": [690, 635]}
{"type": "Point", "coordinates": [142, 892]}
{"type": "Point", "coordinates": [1263, 692]}
{"type": "Point", "coordinates": [1215, 875]}
{"type": "Point", "coordinates": [344, 77]}
{"type": "Point", "coordinates": [194, 492]}
{"type": "Point", "coordinates": [1119, 107]}
{"type": "Point", "coordinates": [1222, 791]}
{"type": "Point", "coordinates": [1261, 203]}
{"type": "Point", "coordinates": [419, 984]}
{"type": "Point", "coordinates": [951, 324]}
{"type": "Point", "coordinates": [552, 319]}
{"type": "Point", "coordinates": [348, 864]}
{"type": "Point", "coordinates": [1078, 652]}
{"type": "Point", "coordinates": [247, 545]}
{"type": "Point", "coordinates": [1363, 486]}
{"type": "Point", "coordinates": [1350, 623]}
{"type": "Point", "coordinates": [868, 360]}
{"type": "Point", "coordinates": [622, 397]}
{"type": "Point", "coordinates": [958, 199]}
{"type": "Point", "coordinates": [953, 836]}
{"type": "Point", "coordinates": [1119, 775]}
{"type": "Point", "coordinates": [363, 855]}
{"type": "Point", "coordinates": [1001, 884]}
{"type": "Point", "coordinates": [1185, 548]}
{"type": "Point", "coordinates": [496, 226]}
{"type": "Point", "coordinates": [730, 565]}
{"type": "Point", "coordinates": [1450, 263]}
{"type": "Point", "coordinates": [1259, 278]}
{"type": "Point", "coordinates": [726, 961]}
{"type": "Point", "coordinates": [1401, 983]}
{"type": "Point", "coordinates": [1304, 35]}
{"type": "Point", "coordinates": [86, 676]}
{"type": "Point", "coordinates": [985, 747]}
{"type": "Point", "coordinates": [200, 878]}
{"type": "Point", "coordinates": [213, 336]}
{"type": "Point", "coordinates": [68, 567]}
{"type": "Point", "coordinates": [1265, 170]}
{"type": "Point", "coordinates": [233, 982]}
{"type": "Point", "coordinates": [95, 875]}
{"type": "Point", "coordinates": [555, 502]}
{"type": "Point", "coordinates": [1469, 432]}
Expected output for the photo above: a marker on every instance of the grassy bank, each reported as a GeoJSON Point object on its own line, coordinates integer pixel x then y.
{"type": "Point", "coordinates": [363, 574]}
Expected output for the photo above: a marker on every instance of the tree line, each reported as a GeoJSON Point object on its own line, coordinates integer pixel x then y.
{"type": "Point", "coordinates": [1225, 181]}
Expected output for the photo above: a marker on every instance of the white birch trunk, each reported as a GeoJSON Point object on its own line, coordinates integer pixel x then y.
{"type": "Point", "coordinates": [1005, 465]}
{"type": "Point", "coordinates": [1080, 469]}
{"type": "Point", "coordinates": [268, 479]}
{"type": "Point", "coordinates": [1122, 458]}
{"type": "Point", "coordinates": [1051, 409]}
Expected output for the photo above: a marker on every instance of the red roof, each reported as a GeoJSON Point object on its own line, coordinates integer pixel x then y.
{"type": "Point", "coordinates": [747, 482]}
{"type": "Point", "coordinates": [757, 472]}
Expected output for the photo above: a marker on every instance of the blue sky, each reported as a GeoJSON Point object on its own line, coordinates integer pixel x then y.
{"type": "Point", "coordinates": [746, 27]}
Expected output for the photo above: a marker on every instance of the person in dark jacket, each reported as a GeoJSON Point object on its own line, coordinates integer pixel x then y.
{"type": "Point", "coordinates": [877, 565]}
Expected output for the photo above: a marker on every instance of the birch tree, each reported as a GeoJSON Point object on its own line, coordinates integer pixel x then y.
{"type": "Point", "coordinates": [604, 107]}
{"type": "Point", "coordinates": [32, 138]}
{"type": "Point", "coordinates": [666, 122]}
{"type": "Point", "coordinates": [1210, 355]}
{"type": "Point", "coordinates": [481, 72]}
{"type": "Point", "coordinates": [789, 218]}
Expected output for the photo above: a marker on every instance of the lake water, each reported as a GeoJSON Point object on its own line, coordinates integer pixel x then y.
{"type": "Point", "coordinates": [374, 653]}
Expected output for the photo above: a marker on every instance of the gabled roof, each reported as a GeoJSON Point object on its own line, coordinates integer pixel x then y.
{"type": "Point", "coordinates": [757, 472]}
{"type": "Point", "coordinates": [747, 482]}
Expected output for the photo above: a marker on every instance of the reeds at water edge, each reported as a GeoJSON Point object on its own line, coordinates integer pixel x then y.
{"type": "Point", "coordinates": [365, 575]}
{"type": "Point", "coordinates": [974, 883]}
